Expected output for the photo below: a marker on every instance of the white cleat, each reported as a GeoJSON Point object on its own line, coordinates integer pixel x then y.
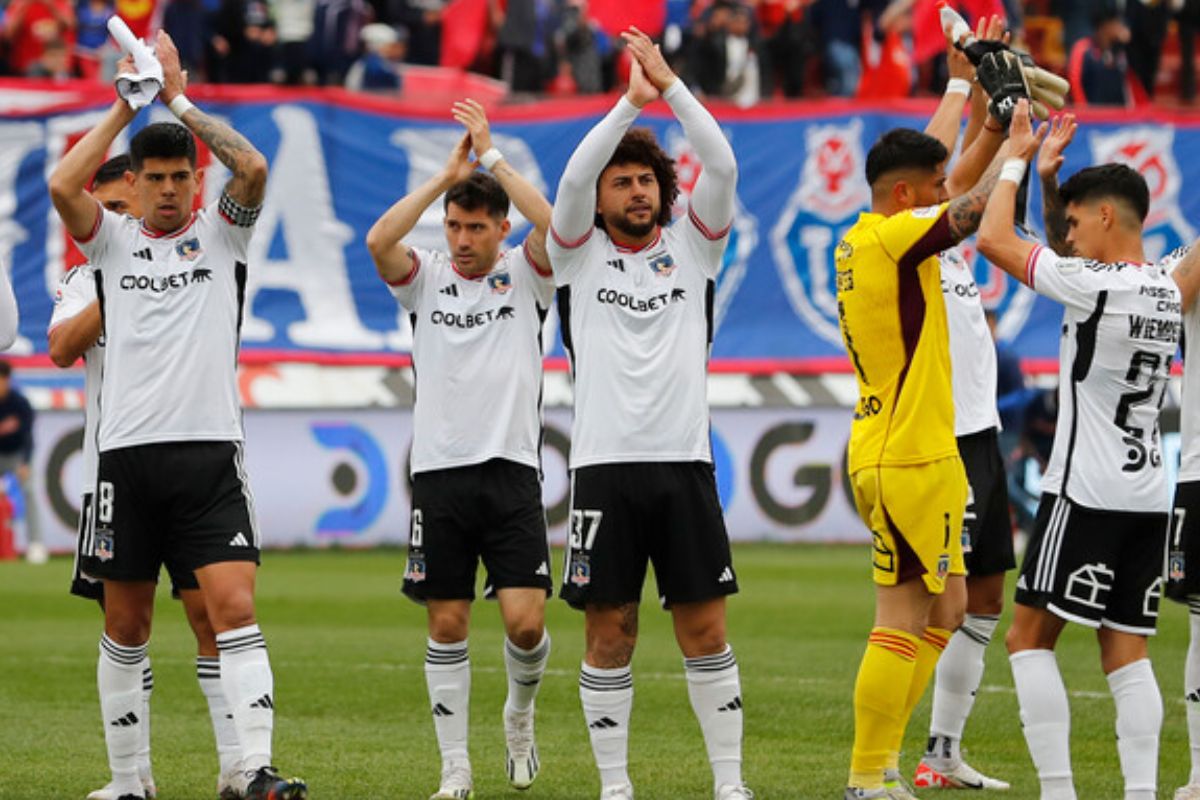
{"type": "Point", "coordinates": [232, 784]}
{"type": "Point", "coordinates": [521, 748]}
{"type": "Point", "coordinates": [895, 785]}
{"type": "Point", "coordinates": [961, 776]}
{"type": "Point", "coordinates": [854, 793]}
{"type": "Point", "coordinates": [456, 783]}
{"type": "Point", "coordinates": [622, 791]}
{"type": "Point", "coordinates": [1189, 792]}
{"type": "Point", "coordinates": [109, 793]}
{"type": "Point", "coordinates": [733, 791]}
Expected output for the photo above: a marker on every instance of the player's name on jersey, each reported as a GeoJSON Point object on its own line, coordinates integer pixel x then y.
{"type": "Point", "coordinates": [1154, 329]}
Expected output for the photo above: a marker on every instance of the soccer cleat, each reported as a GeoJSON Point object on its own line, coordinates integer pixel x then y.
{"type": "Point", "coordinates": [521, 748]}
{"type": "Point", "coordinates": [733, 791]}
{"type": "Point", "coordinates": [962, 776]}
{"type": "Point", "coordinates": [232, 784]}
{"type": "Point", "coordinates": [855, 793]}
{"type": "Point", "coordinates": [1189, 792]}
{"type": "Point", "coordinates": [895, 785]}
{"type": "Point", "coordinates": [622, 791]}
{"type": "Point", "coordinates": [266, 784]}
{"type": "Point", "coordinates": [109, 793]}
{"type": "Point", "coordinates": [456, 783]}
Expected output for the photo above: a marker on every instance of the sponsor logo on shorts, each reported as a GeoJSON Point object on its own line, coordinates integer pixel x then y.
{"type": "Point", "coordinates": [1151, 598]}
{"type": "Point", "coordinates": [415, 572]}
{"type": "Point", "coordinates": [543, 569]}
{"type": "Point", "coordinates": [580, 573]}
{"type": "Point", "coordinates": [726, 576]}
{"type": "Point", "coordinates": [239, 540]}
{"type": "Point", "coordinates": [1175, 570]}
{"type": "Point", "coordinates": [103, 549]}
{"type": "Point", "coordinates": [883, 559]}
{"type": "Point", "coordinates": [1090, 584]}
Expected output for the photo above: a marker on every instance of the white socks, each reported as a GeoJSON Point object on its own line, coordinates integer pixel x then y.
{"type": "Point", "coordinates": [716, 694]}
{"type": "Point", "coordinates": [448, 677]}
{"type": "Point", "coordinates": [1191, 686]}
{"type": "Point", "coordinates": [1139, 720]}
{"type": "Point", "coordinates": [208, 674]}
{"type": "Point", "coordinates": [249, 690]}
{"type": "Point", "coordinates": [525, 669]}
{"type": "Point", "coordinates": [143, 755]}
{"type": "Point", "coordinates": [1046, 720]}
{"type": "Point", "coordinates": [959, 672]}
{"type": "Point", "coordinates": [607, 696]}
{"type": "Point", "coordinates": [119, 680]}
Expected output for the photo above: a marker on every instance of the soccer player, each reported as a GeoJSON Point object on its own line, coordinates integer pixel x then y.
{"type": "Point", "coordinates": [908, 479]}
{"type": "Point", "coordinates": [75, 332]}
{"type": "Point", "coordinates": [1096, 554]}
{"type": "Point", "coordinates": [171, 486]}
{"type": "Point", "coordinates": [476, 486]}
{"type": "Point", "coordinates": [635, 299]}
{"type": "Point", "coordinates": [987, 532]}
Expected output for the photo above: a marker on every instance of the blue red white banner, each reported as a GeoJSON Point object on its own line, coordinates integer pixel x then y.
{"type": "Point", "coordinates": [338, 160]}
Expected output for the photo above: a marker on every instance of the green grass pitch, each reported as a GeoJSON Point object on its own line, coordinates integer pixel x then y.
{"type": "Point", "coordinates": [353, 718]}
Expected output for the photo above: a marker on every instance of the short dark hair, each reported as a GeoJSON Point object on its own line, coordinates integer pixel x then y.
{"type": "Point", "coordinates": [638, 146]}
{"type": "Point", "coordinates": [1115, 181]}
{"type": "Point", "coordinates": [112, 170]}
{"type": "Point", "coordinates": [481, 190]}
{"type": "Point", "coordinates": [5, 369]}
{"type": "Point", "coordinates": [904, 148]}
{"type": "Point", "coordinates": [162, 140]}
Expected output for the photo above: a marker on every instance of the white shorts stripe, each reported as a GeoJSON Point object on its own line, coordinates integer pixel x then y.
{"type": "Point", "coordinates": [1043, 580]}
{"type": "Point", "coordinates": [1060, 535]}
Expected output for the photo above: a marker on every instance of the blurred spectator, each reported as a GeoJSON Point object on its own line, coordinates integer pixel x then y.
{"type": "Point", "coordinates": [839, 25]}
{"type": "Point", "coordinates": [722, 58]}
{"type": "Point", "coordinates": [334, 43]}
{"type": "Point", "coordinates": [29, 25]}
{"type": "Point", "coordinates": [1098, 67]}
{"type": "Point", "coordinates": [788, 42]}
{"type": "Point", "coordinates": [379, 67]}
{"type": "Point", "coordinates": [294, 27]}
{"type": "Point", "coordinates": [186, 21]}
{"type": "Point", "coordinates": [1076, 16]}
{"type": "Point", "coordinates": [54, 63]}
{"type": "Point", "coordinates": [1147, 24]}
{"type": "Point", "coordinates": [1189, 27]}
{"type": "Point", "coordinates": [583, 48]}
{"type": "Point", "coordinates": [92, 18]}
{"type": "Point", "coordinates": [16, 452]}
{"type": "Point", "coordinates": [243, 41]}
{"type": "Point", "coordinates": [423, 19]}
{"type": "Point", "coordinates": [525, 44]}
{"type": "Point", "coordinates": [675, 29]}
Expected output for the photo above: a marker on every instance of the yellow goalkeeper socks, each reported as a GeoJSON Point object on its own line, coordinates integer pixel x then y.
{"type": "Point", "coordinates": [884, 676]}
{"type": "Point", "coordinates": [929, 650]}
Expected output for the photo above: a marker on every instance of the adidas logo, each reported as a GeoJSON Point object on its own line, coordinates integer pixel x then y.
{"type": "Point", "coordinates": [604, 723]}
{"type": "Point", "coordinates": [617, 264]}
{"type": "Point", "coordinates": [127, 721]}
{"type": "Point", "coordinates": [1021, 583]}
{"type": "Point", "coordinates": [726, 576]}
{"type": "Point", "coordinates": [450, 290]}
{"type": "Point", "coordinates": [264, 702]}
{"type": "Point", "coordinates": [239, 540]}
{"type": "Point", "coordinates": [145, 254]}
{"type": "Point", "coordinates": [542, 569]}
{"type": "Point", "coordinates": [440, 710]}
{"type": "Point", "coordinates": [733, 705]}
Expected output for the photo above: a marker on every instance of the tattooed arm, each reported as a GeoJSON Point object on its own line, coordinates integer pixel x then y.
{"type": "Point", "coordinates": [249, 167]}
{"type": "Point", "coordinates": [966, 210]}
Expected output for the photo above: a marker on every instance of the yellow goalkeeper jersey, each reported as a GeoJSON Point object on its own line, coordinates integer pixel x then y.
{"type": "Point", "coordinates": [893, 322]}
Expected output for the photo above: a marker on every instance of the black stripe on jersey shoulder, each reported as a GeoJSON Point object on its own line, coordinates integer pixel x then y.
{"type": "Point", "coordinates": [564, 318]}
{"type": "Point", "coordinates": [1085, 352]}
{"type": "Point", "coordinates": [73, 273]}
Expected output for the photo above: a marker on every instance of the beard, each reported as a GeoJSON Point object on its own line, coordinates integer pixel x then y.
{"type": "Point", "coordinates": [634, 230]}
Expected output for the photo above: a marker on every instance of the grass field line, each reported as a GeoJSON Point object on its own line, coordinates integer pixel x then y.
{"type": "Point", "coordinates": [779, 680]}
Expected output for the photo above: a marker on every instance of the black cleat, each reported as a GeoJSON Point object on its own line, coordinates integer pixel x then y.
{"type": "Point", "coordinates": [268, 785]}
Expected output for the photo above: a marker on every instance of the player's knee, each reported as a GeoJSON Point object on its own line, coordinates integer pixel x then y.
{"type": "Point", "coordinates": [128, 630]}
{"type": "Point", "coordinates": [610, 652]}
{"type": "Point", "coordinates": [206, 637]}
{"type": "Point", "coordinates": [526, 633]}
{"type": "Point", "coordinates": [448, 625]}
{"type": "Point", "coordinates": [231, 611]}
{"type": "Point", "coordinates": [1020, 638]}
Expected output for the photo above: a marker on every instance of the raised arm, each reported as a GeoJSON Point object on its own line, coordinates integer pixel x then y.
{"type": "Point", "coordinates": [998, 239]}
{"type": "Point", "coordinates": [393, 259]}
{"type": "Point", "coordinates": [249, 167]}
{"type": "Point", "coordinates": [68, 183]}
{"type": "Point", "coordinates": [574, 212]}
{"type": "Point", "coordinates": [1187, 276]}
{"type": "Point", "coordinates": [715, 192]}
{"type": "Point", "coordinates": [947, 119]}
{"type": "Point", "coordinates": [9, 316]}
{"type": "Point", "coordinates": [1050, 161]}
{"type": "Point", "coordinates": [528, 200]}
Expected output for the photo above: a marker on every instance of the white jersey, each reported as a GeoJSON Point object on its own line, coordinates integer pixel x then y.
{"type": "Point", "coordinates": [76, 291]}
{"type": "Point", "coordinates": [477, 357]}
{"type": "Point", "coordinates": [638, 327]}
{"type": "Point", "coordinates": [1121, 327]}
{"type": "Point", "coordinates": [1189, 411]}
{"type": "Point", "coordinates": [972, 351]}
{"type": "Point", "coordinates": [172, 306]}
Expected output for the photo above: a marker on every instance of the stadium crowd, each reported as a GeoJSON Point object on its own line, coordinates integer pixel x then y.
{"type": "Point", "coordinates": [1117, 52]}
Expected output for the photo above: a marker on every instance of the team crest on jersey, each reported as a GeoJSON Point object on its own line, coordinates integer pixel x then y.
{"type": "Point", "coordinates": [580, 573]}
{"type": "Point", "coordinates": [743, 236]}
{"type": "Point", "coordinates": [1151, 151]}
{"type": "Point", "coordinates": [103, 547]}
{"type": "Point", "coordinates": [189, 250]}
{"type": "Point", "coordinates": [662, 264]}
{"type": "Point", "coordinates": [500, 283]}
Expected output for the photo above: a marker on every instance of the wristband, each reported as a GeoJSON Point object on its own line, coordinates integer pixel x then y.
{"type": "Point", "coordinates": [1013, 170]}
{"type": "Point", "coordinates": [180, 105]}
{"type": "Point", "coordinates": [490, 158]}
{"type": "Point", "coordinates": [958, 86]}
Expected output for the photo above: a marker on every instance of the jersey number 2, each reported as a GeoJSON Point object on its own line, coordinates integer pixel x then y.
{"type": "Point", "coordinates": [1139, 453]}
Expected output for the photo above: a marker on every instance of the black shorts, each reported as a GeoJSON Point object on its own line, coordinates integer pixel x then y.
{"type": "Point", "coordinates": [987, 527]}
{"type": "Point", "coordinates": [1183, 548]}
{"type": "Point", "coordinates": [491, 511]}
{"type": "Point", "coordinates": [185, 504]}
{"type": "Point", "coordinates": [1095, 567]}
{"type": "Point", "coordinates": [89, 588]}
{"type": "Point", "coordinates": [667, 513]}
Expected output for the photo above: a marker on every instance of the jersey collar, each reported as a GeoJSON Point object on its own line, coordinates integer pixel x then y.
{"type": "Point", "coordinates": [623, 249]}
{"type": "Point", "coordinates": [154, 234]}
